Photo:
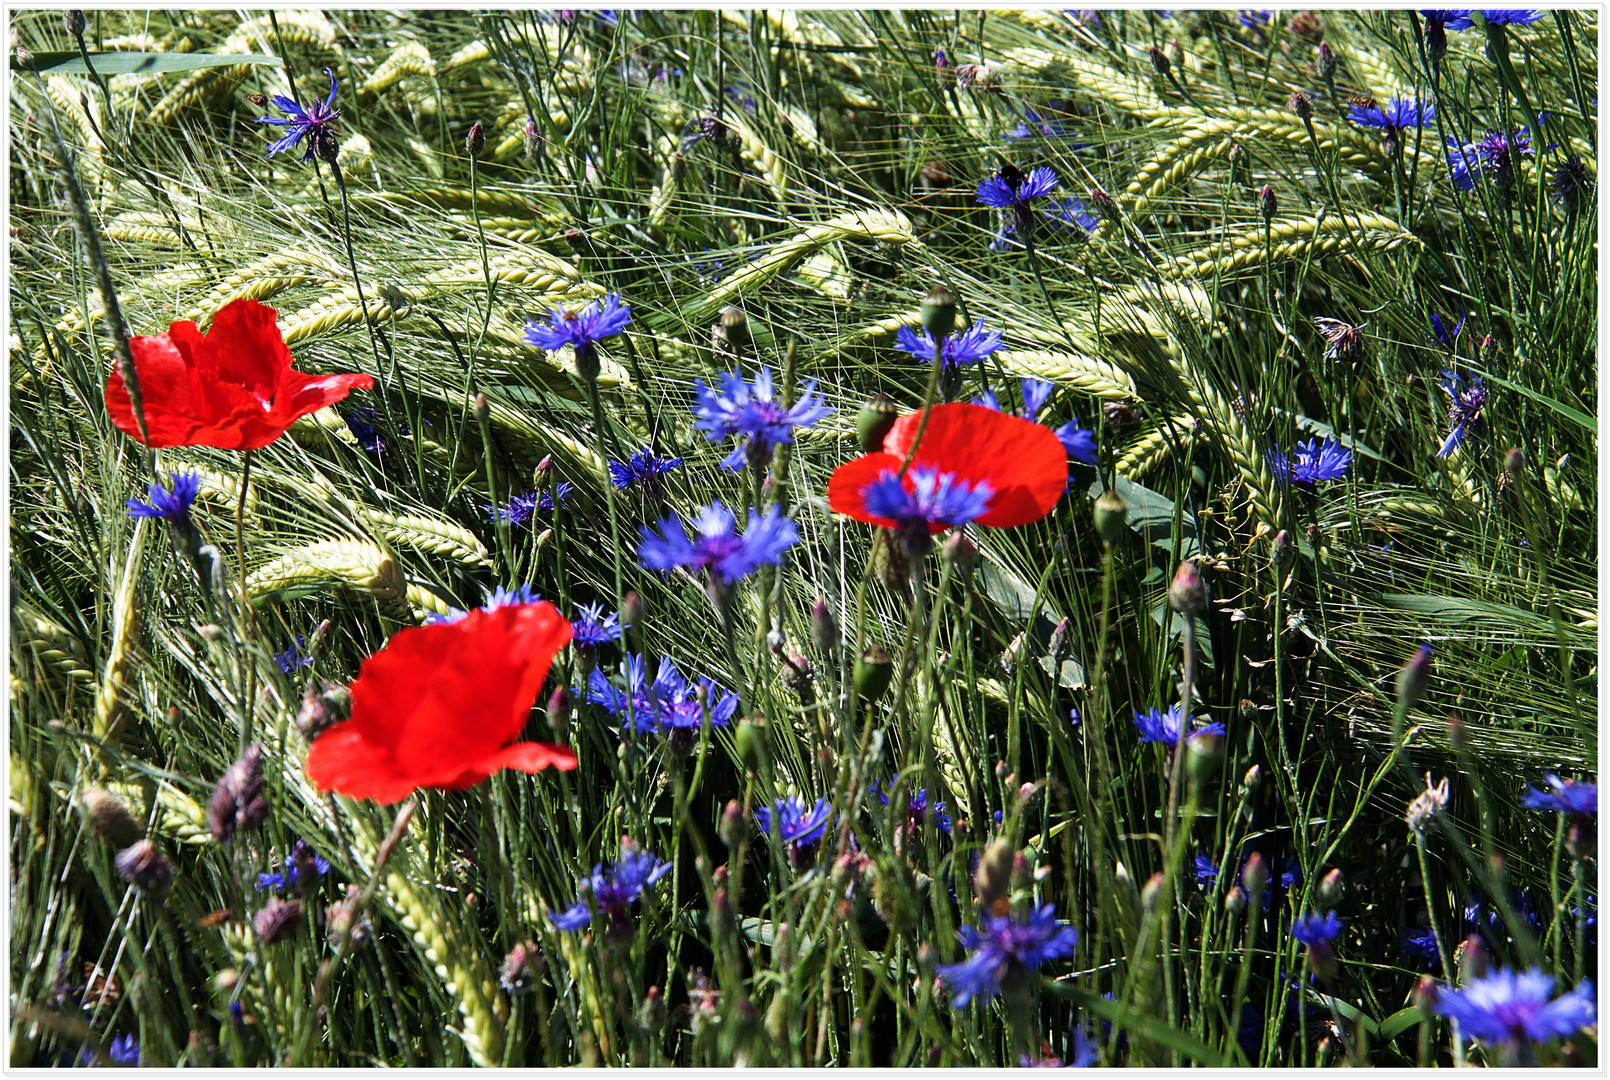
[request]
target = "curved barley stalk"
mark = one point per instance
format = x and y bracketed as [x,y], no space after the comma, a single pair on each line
[1095,377]
[1128,93]
[196,89]
[1146,453]
[409,58]
[1219,417]
[1293,239]
[434,536]
[350,564]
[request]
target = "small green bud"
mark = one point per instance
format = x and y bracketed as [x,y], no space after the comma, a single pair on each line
[1112,516]
[874,420]
[751,739]
[939,312]
[873,672]
[735,326]
[1187,594]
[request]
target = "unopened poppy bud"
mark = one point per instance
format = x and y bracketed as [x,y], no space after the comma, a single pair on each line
[1204,752]
[1514,462]
[1300,105]
[874,420]
[1235,901]
[143,866]
[1325,61]
[1268,205]
[939,312]
[824,628]
[734,827]
[278,920]
[960,551]
[1187,595]
[1151,892]
[73,20]
[475,142]
[1331,888]
[750,739]
[1255,874]
[559,711]
[734,325]
[238,803]
[1112,516]
[108,817]
[993,881]
[1414,676]
[482,409]
[873,671]
[1160,62]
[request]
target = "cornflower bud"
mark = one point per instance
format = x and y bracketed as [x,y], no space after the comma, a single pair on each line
[1104,204]
[1514,462]
[1187,595]
[1331,888]
[1325,61]
[73,20]
[475,142]
[482,409]
[1413,677]
[939,312]
[824,628]
[1160,62]
[518,972]
[560,708]
[1282,550]
[143,866]
[735,327]
[1303,107]
[1255,875]
[1268,205]
[734,827]
[278,920]
[961,552]
[750,739]
[1235,901]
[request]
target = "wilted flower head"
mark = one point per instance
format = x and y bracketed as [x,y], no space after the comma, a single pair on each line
[278,920]
[1005,951]
[1427,806]
[1343,341]
[754,412]
[238,803]
[1511,1007]
[1465,405]
[316,123]
[143,866]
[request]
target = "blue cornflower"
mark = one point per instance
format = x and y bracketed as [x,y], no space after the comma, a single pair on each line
[303,852]
[716,545]
[1067,214]
[517,511]
[612,891]
[292,658]
[555,495]
[1465,405]
[1254,20]
[1420,941]
[1511,16]
[1315,462]
[1394,116]
[1508,1007]
[668,704]
[970,346]
[592,628]
[754,412]
[644,468]
[121,1050]
[170,504]
[918,809]
[582,330]
[1006,950]
[1164,727]
[797,826]
[1449,19]
[1013,191]
[1036,392]
[934,498]
[1317,931]
[1578,798]
[1439,329]
[1080,443]
[315,123]
[1491,154]
[501,597]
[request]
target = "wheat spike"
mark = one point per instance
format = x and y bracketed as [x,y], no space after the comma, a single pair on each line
[1092,376]
[125,619]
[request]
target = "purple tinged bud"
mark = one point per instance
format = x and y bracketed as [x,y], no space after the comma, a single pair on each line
[1282,550]
[734,827]
[1235,901]
[1303,107]
[1187,595]
[1151,892]
[1255,874]
[108,817]
[824,628]
[278,920]
[1160,62]
[1104,204]
[144,867]
[1426,993]
[1331,889]
[238,803]
[475,142]
[559,711]
[1268,205]
[518,972]
[1325,62]
[1472,959]
[73,20]
[482,409]
[961,552]
[1413,677]
[1514,462]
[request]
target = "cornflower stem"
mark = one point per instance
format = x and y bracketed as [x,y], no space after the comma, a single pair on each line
[248,622]
[1579,886]
[505,544]
[352,259]
[1045,294]
[1431,909]
[614,523]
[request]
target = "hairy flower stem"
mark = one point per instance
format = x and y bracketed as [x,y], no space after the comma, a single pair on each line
[1431,908]
[248,617]
[500,523]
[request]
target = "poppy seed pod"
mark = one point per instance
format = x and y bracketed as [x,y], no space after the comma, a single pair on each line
[735,328]
[143,866]
[874,420]
[939,312]
[108,817]
[873,672]
[1111,513]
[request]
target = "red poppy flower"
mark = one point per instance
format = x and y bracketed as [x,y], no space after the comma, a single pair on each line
[231,387]
[1023,462]
[437,706]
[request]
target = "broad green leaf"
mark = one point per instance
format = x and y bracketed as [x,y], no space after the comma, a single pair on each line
[1399,1022]
[138,63]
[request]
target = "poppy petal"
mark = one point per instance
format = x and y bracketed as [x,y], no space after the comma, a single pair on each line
[345,761]
[170,388]
[531,757]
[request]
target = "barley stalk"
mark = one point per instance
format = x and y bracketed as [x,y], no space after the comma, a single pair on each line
[433,535]
[409,58]
[1220,418]
[1149,451]
[125,619]
[195,89]
[1292,239]
[1095,377]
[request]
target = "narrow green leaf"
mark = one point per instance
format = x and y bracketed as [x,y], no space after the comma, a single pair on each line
[1400,1021]
[138,63]
[1151,1027]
